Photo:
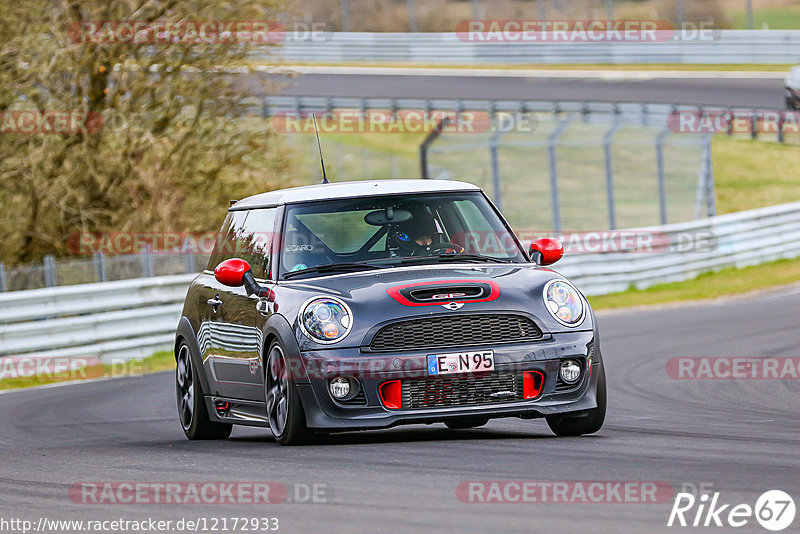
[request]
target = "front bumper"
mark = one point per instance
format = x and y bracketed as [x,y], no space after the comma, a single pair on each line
[371,370]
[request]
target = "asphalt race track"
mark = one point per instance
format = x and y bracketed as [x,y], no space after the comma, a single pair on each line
[747,92]
[742,436]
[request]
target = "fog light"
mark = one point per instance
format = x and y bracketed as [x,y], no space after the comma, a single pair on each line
[570,371]
[340,387]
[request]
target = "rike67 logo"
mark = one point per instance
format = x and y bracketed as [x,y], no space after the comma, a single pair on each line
[774,510]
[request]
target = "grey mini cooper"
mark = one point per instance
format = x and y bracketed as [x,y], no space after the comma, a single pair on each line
[366,305]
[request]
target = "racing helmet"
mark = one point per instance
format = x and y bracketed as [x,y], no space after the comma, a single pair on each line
[414,236]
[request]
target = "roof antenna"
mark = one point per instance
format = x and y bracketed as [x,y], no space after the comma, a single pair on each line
[322,161]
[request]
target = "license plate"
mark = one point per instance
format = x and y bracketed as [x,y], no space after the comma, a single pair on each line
[461,362]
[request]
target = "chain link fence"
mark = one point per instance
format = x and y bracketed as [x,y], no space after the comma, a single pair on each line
[582,171]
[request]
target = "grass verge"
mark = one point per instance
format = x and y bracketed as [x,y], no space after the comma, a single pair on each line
[774,18]
[754,174]
[723,283]
[160,361]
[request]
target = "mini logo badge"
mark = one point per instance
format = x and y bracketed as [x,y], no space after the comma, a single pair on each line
[502,394]
[452,305]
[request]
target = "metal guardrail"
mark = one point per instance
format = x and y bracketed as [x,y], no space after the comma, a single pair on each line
[126,319]
[718,47]
[732,240]
[134,318]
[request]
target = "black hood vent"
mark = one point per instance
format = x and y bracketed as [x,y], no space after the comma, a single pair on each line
[446,293]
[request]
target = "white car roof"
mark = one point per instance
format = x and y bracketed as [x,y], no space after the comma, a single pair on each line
[340,190]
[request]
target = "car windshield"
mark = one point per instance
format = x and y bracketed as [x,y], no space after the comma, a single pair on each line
[385,231]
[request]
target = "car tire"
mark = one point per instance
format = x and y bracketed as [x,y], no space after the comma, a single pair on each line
[192,412]
[471,422]
[287,420]
[588,424]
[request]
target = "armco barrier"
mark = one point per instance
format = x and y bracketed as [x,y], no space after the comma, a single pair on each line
[126,319]
[134,318]
[731,240]
[716,47]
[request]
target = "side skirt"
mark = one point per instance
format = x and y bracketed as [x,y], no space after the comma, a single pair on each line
[237,411]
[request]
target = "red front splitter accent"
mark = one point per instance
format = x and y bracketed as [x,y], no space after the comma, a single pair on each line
[532,384]
[391,394]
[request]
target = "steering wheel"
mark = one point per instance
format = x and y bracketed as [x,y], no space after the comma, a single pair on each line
[440,247]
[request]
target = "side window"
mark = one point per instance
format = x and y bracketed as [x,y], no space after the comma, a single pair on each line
[225,246]
[478,236]
[473,216]
[255,240]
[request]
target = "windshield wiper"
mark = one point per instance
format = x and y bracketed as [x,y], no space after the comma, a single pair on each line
[331,268]
[446,257]
[470,257]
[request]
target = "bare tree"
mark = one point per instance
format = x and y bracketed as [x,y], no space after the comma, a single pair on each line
[174,143]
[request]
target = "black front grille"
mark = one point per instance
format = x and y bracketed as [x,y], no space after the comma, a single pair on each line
[441,392]
[456,330]
[360,399]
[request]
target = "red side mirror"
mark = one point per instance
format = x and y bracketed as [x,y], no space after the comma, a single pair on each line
[231,272]
[546,251]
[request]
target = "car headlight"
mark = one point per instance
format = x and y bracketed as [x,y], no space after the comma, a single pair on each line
[563,302]
[325,319]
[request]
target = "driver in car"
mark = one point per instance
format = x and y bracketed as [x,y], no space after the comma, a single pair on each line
[416,236]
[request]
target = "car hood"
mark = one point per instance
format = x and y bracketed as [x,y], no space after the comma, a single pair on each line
[377,297]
